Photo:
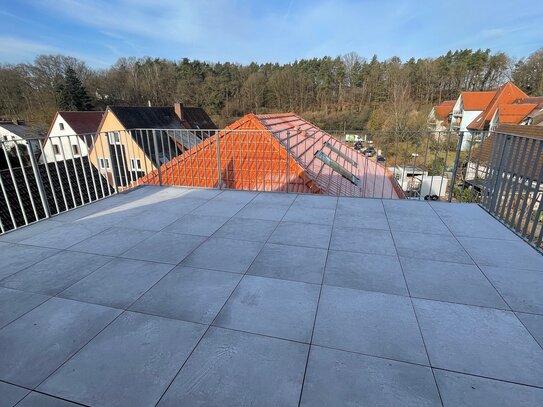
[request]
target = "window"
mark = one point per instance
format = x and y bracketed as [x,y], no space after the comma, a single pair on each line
[56,149]
[337,168]
[61,125]
[103,163]
[135,164]
[114,137]
[75,149]
[342,155]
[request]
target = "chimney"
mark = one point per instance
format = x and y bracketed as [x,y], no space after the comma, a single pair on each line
[178,107]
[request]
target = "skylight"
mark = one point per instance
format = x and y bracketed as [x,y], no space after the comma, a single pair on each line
[337,168]
[342,155]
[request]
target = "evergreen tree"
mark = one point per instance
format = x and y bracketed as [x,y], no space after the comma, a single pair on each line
[71,94]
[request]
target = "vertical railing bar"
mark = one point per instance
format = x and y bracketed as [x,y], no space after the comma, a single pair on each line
[517,185]
[505,177]
[131,142]
[8,203]
[498,172]
[46,165]
[68,177]
[489,171]
[447,146]
[82,168]
[85,145]
[536,192]
[527,184]
[218,150]
[146,152]
[416,154]
[456,162]
[23,211]
[58,174]
[157,160]
[23,170]
[513,176]
[93,144]
[425,165]
[39,180]
[76,174]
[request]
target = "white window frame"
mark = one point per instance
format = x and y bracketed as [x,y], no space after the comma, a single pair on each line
[75,149]
[56,149]
[103,163]
[61,126]
[134,167]
[114,137]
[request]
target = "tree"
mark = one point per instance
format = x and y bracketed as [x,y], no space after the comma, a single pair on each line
[71,94]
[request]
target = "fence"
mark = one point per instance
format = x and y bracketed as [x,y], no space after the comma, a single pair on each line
[43,178]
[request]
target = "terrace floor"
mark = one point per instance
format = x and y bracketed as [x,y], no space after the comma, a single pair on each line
[187,297]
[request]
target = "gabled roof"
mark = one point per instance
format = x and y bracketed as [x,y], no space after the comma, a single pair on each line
[20,130]
[197,118]
[476,100]
[443,110]
[253,155]
[145,117]
[514,113]
[82,122]
[506,94]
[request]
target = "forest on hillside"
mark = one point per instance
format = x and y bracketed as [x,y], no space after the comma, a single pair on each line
[347,91]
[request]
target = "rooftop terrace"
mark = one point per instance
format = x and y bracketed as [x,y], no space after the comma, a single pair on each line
[178,296]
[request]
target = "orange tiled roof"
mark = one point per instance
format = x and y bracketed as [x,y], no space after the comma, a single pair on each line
[443,110]
[506,94]
[253,156]
[477,100]
[514,113]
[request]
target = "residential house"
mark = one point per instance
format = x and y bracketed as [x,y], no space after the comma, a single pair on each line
[535,117]
[467,107]
[278,152]
[70,135]
[16,131]
[133,141]
[440,116]
[506,94]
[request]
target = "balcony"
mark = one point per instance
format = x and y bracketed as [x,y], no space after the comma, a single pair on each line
[185,296]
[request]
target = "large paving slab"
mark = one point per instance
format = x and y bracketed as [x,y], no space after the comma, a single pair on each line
[230,368]
[14,303]
[131,362]
[36,344]
[338,378]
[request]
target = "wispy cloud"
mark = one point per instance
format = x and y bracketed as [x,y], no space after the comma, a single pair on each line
[16,49]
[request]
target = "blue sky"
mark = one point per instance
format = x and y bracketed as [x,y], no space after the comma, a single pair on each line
[101,31]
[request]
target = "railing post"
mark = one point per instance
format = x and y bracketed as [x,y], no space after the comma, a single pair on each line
[218,150]
[39,181]
[497,184]
[456,160]
[157,160]
[288,161]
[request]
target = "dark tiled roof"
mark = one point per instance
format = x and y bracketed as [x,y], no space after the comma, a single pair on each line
[20,130]
[147,117]
[58,181]
[197,118]
[82,122]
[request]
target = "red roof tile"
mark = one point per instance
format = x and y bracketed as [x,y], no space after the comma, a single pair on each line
[514,113]
[253,156]
[506,94]
[477,100]
[443,110]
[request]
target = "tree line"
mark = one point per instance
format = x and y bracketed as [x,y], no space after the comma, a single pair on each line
[347,91]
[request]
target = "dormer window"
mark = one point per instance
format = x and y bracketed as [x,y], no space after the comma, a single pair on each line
[61,126]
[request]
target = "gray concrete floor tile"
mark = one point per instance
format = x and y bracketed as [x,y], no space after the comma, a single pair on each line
[370,241]
[201,225]
[235,196]
[280,308]
[417,223]
[430,247]
[299,213]
[23,233]
[451,282]
[480,341]
[14,303]
[407,208]
[230,368]
[263,210]
[522,289]
[534,324]
[175,207]
[14,257]
[338,378]
[64,235]
[56,273]
[302,234]
[275,198]
[224,254]
[165,247]
[36,344]
[189,294]
[316,201]
[459,390]
[219,208]
[257,230]
[369,322]
[502,253]
[200,193]
[130,363]
[10,394]
[361,219]
[365,272]
[42,400]
[118,284]
[113,241]
[357,205]
[305,264]
[152,219]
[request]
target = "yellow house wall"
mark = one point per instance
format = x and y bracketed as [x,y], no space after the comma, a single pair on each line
[131,148]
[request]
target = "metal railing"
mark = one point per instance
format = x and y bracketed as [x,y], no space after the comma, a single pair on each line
[42,178]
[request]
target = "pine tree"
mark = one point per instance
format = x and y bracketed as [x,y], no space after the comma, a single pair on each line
[71,94]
